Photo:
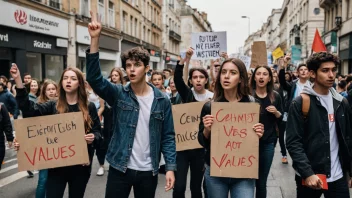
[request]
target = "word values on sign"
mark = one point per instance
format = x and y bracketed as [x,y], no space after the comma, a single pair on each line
[48,154]
[234,144]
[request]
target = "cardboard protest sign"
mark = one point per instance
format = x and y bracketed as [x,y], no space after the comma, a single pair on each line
[51,141]
[277,53]
[186,123]
[259,54]
[234,144]
[208,45]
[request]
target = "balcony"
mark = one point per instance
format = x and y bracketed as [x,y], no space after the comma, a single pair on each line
[174,36]
[327,3]
[156,3]
[131,38]
[150,46]
[54,4]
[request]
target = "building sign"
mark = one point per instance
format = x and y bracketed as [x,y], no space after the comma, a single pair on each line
[154,59]
[105,42]
[103,54]
[20,17]
[344,43]
[13,38]
[43,44]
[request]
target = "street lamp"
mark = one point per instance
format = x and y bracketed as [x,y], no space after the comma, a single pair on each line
[249,23]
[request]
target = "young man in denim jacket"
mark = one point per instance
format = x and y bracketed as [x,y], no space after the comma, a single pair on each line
[143,123]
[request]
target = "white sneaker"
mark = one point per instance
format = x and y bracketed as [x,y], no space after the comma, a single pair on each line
[100,171]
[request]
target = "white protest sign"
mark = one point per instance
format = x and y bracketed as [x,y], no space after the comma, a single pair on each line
[208,45]
[246,60]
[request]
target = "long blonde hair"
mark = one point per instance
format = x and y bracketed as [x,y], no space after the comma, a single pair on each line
[62,105]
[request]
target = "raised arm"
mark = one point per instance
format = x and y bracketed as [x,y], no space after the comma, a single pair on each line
[180,84]
[101,86]
[29,108]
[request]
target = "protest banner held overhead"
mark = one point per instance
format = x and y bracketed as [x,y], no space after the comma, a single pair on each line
[234,144]
[51,141]
[186,123]
[208,45]
[259,54]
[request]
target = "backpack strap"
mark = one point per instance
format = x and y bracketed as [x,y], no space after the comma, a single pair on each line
[305,104]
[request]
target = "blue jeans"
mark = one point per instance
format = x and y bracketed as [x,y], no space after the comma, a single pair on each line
[266,156]
[219,187]
[41,187]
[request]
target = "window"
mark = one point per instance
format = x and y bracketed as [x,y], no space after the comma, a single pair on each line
[85,8]
[54,4]
[124,22]
[151,13]
[34,65]
[148,39]
[131,26]
[143,35]
[154,16]
[111,14]
[54,67]
[135,28]
[101,10]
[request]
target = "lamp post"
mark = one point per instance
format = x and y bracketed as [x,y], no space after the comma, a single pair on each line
[249,24]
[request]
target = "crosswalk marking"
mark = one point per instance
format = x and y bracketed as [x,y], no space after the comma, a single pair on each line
[12,178]
[8,168]
[11,160]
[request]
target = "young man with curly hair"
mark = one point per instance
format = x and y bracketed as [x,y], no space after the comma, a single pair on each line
[319,133]
[143,124]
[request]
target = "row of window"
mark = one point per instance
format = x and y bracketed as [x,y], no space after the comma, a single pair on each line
[133,27]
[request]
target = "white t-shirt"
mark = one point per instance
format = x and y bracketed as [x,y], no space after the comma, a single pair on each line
[299,87]
[336,170]
[140,159]
[203,97]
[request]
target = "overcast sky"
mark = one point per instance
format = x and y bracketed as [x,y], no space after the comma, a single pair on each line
[225,15]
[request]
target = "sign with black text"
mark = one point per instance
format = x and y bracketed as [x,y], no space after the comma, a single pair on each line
[208,45]
[186,123]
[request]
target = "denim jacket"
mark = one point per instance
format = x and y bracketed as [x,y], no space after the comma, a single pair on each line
[125,109]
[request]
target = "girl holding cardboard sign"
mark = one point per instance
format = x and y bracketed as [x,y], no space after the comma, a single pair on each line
[72,98]
[231,86]
[193,159]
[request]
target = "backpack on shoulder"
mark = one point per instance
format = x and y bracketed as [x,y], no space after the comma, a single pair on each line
[305,105]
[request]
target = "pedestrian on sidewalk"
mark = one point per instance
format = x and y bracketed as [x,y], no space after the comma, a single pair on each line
[72,98]
[5,128]
[193,160]
[318,133]
[262,85]
[143,123]
[231,86]
[47,93]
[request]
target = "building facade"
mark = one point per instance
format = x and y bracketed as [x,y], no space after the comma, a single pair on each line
[172,32]
[338,31]
[304,17]
[283,25]
[141,25]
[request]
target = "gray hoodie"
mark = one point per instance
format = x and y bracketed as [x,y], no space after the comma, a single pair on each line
[310,91]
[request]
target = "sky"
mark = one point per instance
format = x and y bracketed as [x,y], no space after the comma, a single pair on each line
[225,15]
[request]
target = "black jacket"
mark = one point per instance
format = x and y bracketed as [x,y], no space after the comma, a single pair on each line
[31,109]
[5,125]
[308,140]
[289,87]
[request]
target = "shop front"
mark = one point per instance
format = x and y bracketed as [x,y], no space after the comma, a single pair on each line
[171,61]
[345,53]
[108,53]
[35,41]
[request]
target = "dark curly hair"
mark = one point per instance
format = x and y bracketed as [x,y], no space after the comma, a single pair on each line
[136,54]
[315,60]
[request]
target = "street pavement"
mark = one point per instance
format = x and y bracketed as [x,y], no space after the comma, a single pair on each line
[14,184]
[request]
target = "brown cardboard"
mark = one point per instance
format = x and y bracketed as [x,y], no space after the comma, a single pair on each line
[234,144]
[259,54]
[51,141]
[186,122]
